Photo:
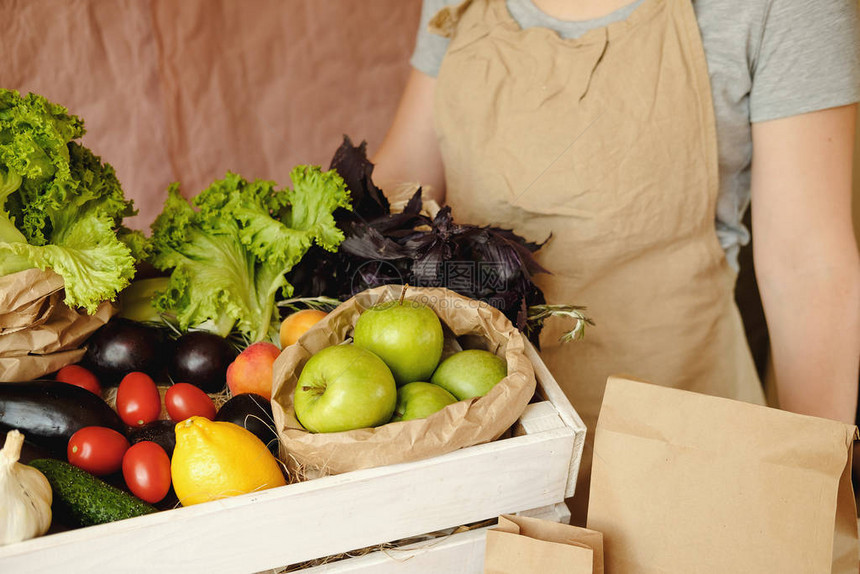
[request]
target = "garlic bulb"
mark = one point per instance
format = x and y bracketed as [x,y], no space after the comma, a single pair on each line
[25,495]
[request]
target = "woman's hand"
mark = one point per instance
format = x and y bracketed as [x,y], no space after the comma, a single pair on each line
[410,151]
[806,258]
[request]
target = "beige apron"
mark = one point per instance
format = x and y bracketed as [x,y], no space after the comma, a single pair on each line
[607,142]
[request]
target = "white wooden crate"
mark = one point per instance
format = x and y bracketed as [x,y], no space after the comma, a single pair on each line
[533,469]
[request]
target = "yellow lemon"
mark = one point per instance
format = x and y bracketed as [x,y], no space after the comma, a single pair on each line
[297,324]
[214,460]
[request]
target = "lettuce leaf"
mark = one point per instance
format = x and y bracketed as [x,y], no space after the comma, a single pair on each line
[34,134]
[229,256]
[9,234]
[60,206]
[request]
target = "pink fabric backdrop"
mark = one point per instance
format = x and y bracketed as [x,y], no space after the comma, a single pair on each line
[184,90]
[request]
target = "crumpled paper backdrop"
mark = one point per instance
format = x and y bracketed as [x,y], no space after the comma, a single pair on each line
[186,90]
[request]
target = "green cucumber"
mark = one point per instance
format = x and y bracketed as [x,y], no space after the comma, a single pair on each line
[81,499]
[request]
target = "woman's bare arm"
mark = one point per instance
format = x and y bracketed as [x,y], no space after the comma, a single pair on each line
[806,258]
[410,150]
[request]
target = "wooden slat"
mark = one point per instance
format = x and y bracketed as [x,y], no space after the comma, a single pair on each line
[462,553]
[558,512]
[538,417]
[553,393]
[316,518]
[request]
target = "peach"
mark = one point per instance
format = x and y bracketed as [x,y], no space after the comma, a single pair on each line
[297,324]
[251,371]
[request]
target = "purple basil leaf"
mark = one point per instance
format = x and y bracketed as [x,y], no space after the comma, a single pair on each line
[351,163]
[365,242]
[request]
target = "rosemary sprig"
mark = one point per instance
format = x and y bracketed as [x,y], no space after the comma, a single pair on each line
[539,313]
[299,303]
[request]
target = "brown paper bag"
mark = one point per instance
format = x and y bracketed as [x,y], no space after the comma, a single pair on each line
[459,425]
[520,544]
[684,482]
[39,334]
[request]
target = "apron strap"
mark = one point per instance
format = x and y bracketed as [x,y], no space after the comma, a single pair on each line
[444,23]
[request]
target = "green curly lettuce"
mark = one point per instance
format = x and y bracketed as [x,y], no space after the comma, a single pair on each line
[60,206]
[228,257]
[34,137]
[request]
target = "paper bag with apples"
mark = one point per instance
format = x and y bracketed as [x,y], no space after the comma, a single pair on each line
[465,323]
[684,482]
[39,333]
[522,544]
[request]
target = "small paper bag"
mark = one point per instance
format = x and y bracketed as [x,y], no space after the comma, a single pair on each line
[39,334]
[520,544]
[459,425]
[684,482]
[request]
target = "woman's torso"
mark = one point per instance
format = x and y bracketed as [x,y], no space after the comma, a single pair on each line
[766,59]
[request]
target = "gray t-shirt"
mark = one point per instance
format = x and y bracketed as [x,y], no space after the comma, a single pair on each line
[767,59]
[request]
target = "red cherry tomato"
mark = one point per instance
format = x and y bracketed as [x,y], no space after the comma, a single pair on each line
[97,450]
[137,400]
[80,377]
[146,469]
[184,401]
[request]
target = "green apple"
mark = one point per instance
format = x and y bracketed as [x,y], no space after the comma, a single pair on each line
[342,388]
[405,334]
[470,373]
[419,400]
